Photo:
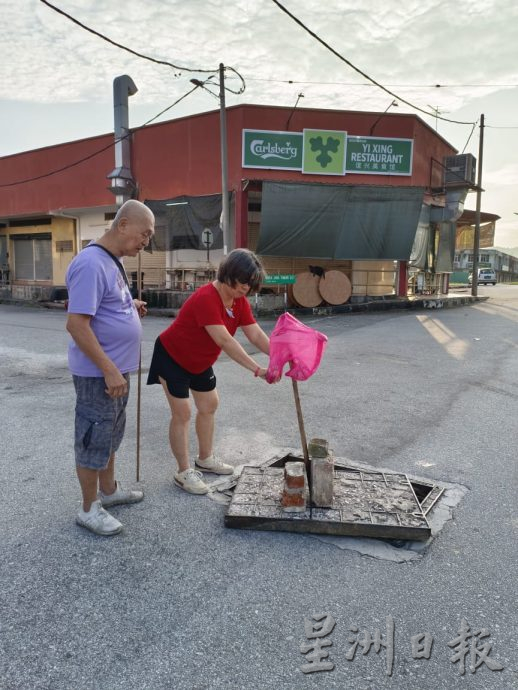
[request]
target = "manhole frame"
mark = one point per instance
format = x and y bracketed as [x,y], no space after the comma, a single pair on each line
[315,520]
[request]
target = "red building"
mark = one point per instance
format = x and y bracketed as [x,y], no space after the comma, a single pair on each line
[54,199]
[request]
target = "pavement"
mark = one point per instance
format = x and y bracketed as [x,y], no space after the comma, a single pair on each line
[178,601]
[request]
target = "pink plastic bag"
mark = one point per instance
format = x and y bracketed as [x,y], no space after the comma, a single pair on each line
[292,341]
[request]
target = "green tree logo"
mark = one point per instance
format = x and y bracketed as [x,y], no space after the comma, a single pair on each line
[331,144]
[324,152]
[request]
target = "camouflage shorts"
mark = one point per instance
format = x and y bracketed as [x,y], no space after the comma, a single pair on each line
[99,422]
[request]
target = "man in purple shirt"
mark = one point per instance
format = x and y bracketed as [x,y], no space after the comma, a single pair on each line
[104,322]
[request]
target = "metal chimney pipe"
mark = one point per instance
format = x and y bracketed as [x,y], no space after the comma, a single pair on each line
[122,182]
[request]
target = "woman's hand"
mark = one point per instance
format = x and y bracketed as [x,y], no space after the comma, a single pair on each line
[261,373]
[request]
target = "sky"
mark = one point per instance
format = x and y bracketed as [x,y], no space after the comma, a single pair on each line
[56,78]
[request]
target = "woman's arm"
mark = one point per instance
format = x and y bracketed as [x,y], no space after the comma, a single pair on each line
[233,349]
[257,337]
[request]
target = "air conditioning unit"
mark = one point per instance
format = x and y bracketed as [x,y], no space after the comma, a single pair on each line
[460,170]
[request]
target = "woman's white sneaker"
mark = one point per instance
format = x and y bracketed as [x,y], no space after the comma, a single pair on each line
[98,520]
[190,480]
[212,464]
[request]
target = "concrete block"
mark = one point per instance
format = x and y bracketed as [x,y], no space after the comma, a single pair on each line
[322,478]
[318,448]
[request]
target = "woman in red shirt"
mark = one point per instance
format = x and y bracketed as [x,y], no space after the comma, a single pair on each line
[185,352]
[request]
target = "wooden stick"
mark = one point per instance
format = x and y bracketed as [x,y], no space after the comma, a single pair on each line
[301,428]
[139,373]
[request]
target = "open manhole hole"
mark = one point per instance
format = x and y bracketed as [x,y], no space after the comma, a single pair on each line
[368,502]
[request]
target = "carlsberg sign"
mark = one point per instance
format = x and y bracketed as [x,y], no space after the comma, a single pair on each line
[272,149]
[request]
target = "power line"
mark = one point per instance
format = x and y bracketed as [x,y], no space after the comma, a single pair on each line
[119,45]
[96,153]
[227,88]
[347,62]
[243,85]
[141,55]
[470,135]
[399,86]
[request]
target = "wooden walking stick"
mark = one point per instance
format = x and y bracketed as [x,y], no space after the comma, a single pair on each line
[139,373]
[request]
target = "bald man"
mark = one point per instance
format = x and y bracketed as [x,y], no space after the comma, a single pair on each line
[104,322]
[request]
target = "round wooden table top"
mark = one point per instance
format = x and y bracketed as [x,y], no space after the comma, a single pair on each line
[305,290]
[291,300]
[335,287]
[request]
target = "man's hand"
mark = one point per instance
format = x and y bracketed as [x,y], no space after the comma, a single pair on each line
[141,307]
[116,385]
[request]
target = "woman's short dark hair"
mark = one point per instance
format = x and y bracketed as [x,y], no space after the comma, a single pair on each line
[241,266]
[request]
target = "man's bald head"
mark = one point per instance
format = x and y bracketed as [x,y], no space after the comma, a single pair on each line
[133,210]
[131,229]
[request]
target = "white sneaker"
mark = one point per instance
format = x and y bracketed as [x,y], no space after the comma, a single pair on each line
[212,464]
[98,520]
[190,480]
[120,496]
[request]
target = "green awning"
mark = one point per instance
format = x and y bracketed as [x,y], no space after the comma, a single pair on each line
[338,221]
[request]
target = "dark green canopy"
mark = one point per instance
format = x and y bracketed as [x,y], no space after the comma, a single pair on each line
[180,222]
[338,221]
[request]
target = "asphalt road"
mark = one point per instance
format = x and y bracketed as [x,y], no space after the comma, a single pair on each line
[178,601]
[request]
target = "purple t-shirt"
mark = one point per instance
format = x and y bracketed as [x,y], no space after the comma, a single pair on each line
[97,288]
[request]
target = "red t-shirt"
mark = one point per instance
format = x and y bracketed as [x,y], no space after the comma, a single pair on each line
[186,339]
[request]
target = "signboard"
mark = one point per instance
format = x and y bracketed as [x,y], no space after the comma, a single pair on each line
[465,236]
[273,150]
[379,156]
[279,279]
[324,152]
[207,237]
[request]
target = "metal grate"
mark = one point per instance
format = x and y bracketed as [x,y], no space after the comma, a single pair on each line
[64,246]
[372,504]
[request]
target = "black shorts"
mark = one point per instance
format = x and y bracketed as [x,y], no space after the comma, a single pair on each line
[178,379]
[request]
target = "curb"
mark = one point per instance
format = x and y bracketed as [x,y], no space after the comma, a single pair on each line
[381,304]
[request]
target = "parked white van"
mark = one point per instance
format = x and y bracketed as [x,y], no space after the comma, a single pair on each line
[486,276]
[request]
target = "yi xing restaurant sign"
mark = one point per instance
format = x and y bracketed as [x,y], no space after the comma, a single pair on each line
[324,152]
[379,156]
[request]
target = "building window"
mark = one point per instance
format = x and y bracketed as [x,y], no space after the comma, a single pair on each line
[484,258]
[32,258]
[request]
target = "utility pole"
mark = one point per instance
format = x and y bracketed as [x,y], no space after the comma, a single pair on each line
[476,238]
[224,161]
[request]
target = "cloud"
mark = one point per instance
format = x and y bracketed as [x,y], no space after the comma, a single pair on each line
[415,43]
[53,68]
[506,176]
